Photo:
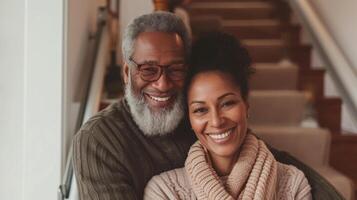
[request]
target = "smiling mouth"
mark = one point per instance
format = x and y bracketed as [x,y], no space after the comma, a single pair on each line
[159,99]
[221,136]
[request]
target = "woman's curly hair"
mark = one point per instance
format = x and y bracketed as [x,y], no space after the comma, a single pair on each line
[219,51]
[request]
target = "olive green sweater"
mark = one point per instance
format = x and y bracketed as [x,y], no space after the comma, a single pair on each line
[113,159]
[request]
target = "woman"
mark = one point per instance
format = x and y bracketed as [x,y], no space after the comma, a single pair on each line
[227,161]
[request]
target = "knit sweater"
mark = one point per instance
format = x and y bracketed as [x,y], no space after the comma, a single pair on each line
[246,180]
[114,160]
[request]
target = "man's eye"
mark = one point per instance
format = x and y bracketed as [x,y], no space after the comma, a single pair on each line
[177,72]
[176,69]
[149,69]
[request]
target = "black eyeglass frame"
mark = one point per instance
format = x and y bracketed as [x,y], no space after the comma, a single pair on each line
[161,68]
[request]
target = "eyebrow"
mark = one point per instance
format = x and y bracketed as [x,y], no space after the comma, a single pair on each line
[219,98]
[176,61]
[224,95]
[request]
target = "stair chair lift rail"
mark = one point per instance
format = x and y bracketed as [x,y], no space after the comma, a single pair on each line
[65,188]
[340,68]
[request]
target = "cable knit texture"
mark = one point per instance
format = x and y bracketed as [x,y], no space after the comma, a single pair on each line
[256,175]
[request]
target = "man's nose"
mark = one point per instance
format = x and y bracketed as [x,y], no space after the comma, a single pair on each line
[164,83]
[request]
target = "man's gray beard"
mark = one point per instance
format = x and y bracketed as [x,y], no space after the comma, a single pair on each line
[154,123]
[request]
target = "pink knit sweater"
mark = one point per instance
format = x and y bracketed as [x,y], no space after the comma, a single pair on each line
[249,178]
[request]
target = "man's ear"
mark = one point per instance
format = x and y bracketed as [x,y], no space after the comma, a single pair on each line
[126,73]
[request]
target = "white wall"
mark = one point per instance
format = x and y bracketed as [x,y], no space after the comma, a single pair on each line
[11,98]
[31,73]
[130,10]
[338,17]
[336,22]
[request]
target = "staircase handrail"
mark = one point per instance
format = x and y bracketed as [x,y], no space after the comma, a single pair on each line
[339,67]
[90,101]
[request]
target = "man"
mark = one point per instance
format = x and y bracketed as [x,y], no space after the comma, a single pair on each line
[117,151]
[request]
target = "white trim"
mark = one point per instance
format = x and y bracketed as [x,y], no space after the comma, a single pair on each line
[65,86]
[338,65]
[94,98]
[97,82]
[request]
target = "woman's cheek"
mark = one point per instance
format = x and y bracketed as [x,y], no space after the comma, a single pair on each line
[198,124]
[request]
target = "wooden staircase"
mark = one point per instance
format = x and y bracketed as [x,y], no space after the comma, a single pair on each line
[264,28]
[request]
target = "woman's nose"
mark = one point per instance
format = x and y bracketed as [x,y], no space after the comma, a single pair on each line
[216,119]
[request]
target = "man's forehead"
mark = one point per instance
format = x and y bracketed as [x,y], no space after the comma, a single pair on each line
[158,44]
[159,40]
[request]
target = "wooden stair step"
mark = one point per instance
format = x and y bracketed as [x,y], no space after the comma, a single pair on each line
[343,154]
[301,55]
[344,144]
[315,152]
[265,50]
[276,107]
[205,23]
[229,0]
[234,10]
[253,29]
[274,76]
[312,81]
[329,113]
[274,50]
[261,29]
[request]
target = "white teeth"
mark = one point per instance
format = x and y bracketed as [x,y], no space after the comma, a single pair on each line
[220,136]
[159,98]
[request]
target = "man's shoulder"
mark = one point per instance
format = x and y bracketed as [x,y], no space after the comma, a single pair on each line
[110,120]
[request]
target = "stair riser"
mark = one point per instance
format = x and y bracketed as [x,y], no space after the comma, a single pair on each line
[313,82]
[274,79]
[214,0]
[235,13]
[255,32]
[276,108]
[329,113]
[264,53]
[346,145]
[265,32]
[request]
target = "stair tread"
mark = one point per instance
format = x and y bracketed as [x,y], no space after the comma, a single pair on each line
[263,42]
[274,65]
[250,22]
[231,5]
[272,93]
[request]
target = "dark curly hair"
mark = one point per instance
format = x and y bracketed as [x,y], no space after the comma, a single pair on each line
[219,51]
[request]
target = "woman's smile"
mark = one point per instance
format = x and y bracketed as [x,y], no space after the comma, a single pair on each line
[222,136]
[218,113]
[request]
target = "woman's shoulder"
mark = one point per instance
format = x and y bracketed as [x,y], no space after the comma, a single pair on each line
[173,184]
[289,171]
[172,177]
[292,181]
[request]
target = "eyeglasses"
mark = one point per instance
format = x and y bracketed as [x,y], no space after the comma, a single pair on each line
[151,71]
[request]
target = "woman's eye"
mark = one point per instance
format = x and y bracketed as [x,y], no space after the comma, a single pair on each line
[199,110]
[228,103]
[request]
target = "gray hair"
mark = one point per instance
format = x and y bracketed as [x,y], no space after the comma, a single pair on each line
[157,21]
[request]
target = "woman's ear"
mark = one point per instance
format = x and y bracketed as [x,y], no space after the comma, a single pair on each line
[126,73]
